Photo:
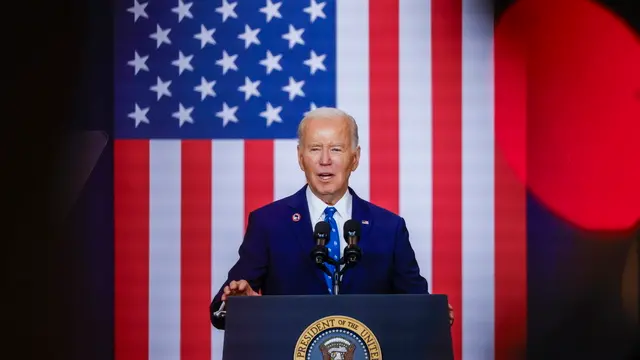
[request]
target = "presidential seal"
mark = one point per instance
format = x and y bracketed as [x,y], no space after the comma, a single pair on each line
[337,337]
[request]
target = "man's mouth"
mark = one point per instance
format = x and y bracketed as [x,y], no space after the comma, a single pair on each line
[325,176]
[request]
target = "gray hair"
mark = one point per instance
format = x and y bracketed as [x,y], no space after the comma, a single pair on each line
[327,113]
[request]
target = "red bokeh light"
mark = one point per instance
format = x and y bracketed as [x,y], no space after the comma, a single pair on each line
[568,109]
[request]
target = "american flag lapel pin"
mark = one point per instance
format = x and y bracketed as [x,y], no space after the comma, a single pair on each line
[365,222]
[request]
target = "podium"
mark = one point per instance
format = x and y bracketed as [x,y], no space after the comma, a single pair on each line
[354,327]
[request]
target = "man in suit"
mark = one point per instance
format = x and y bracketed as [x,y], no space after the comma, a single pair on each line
[275,253]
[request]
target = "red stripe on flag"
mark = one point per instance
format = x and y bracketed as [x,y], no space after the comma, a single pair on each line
[384,103]
[195,260]
[258,175]
[446,33]
[510,263]
[510,200]
[131,205]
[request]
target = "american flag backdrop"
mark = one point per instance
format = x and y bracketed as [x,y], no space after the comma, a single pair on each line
[208,96]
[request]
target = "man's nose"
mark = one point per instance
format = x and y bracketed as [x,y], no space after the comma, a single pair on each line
[325,157]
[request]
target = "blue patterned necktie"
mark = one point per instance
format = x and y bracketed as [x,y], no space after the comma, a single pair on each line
[333,245]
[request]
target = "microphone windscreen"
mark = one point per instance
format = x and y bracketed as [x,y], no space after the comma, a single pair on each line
[351,229]
[322,227]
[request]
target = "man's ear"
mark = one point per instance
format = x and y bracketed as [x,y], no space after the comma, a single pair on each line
[356,159]
[300,162]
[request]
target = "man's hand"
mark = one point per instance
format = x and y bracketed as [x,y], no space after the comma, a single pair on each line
[238,288]
[451,317]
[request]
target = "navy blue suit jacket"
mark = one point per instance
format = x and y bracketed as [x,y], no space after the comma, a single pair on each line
[275,253]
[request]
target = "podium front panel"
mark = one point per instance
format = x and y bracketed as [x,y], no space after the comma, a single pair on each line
[356,327]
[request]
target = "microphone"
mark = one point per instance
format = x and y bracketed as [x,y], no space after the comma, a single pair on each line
[352,253]
[320,253]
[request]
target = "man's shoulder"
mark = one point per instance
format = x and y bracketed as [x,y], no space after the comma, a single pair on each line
[383,214]
[274,207]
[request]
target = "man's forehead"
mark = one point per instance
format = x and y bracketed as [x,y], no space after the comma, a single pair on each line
[327,136]
[334,130]
[326,125]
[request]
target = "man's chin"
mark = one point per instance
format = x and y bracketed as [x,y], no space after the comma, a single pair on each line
[324,188]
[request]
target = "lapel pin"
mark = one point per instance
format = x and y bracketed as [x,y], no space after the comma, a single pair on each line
[366,222]
[296,217]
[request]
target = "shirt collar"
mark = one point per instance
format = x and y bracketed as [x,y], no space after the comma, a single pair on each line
[317,206]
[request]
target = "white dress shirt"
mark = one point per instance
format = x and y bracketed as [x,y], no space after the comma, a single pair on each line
[342,214]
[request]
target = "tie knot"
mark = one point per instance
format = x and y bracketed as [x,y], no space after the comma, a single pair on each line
[329,211]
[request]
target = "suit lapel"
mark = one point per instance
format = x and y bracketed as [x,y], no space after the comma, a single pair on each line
[361,213]
[302,228]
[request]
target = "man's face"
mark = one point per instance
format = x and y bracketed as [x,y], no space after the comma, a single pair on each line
[327,157]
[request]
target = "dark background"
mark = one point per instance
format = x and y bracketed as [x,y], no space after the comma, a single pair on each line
[58,302]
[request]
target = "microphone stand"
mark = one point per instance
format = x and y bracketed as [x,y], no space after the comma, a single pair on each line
[221,313]
[352,255]
[335,277]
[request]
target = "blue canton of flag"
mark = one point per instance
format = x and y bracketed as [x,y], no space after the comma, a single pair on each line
[221,69]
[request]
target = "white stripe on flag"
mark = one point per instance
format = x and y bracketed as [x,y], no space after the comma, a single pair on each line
[352,86]
[415,103]
[478,285]
[288,177]
[227,218]
[164,249]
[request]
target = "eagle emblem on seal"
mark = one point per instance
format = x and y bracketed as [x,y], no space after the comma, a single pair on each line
[337,348]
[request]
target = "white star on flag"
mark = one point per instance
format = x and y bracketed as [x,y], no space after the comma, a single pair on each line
[294,88]
[161,88]
[161,36]
[272,114]
[138,10]
[183,10]
[271,62]
[205,88]
[139,62]
[315,62]
[249,36]
[250,88]
[227,114]
[227,10]
[227,62]
[312,107]
[183,115]
[294,36]
[205,36]
[183,62]
[315,10]
[139,115]
[271,10]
